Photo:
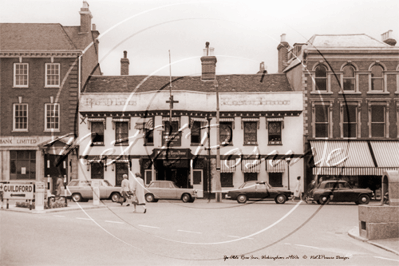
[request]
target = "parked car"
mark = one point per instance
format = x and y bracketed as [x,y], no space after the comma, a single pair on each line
[165,189]
[259,190]
[339,191]
[81,190]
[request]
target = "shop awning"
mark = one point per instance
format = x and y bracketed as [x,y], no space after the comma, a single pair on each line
[227,166]
[250,166]
[273,166]
[351,170]
[386,153]
[342,154]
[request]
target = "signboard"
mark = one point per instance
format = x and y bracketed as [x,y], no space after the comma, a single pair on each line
[17,191]
[171,154]
[28,141]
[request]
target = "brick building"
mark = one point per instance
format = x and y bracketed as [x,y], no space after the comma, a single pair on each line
[42,69]
[351,85]
[127,126]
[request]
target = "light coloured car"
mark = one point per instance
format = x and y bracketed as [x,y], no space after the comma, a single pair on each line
[82,190]
[165,189]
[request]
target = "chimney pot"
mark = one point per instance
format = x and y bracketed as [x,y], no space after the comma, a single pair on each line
[282,37]
[208,62]
[85,18]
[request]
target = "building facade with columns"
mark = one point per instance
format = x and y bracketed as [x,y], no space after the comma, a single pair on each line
[129,125]
[351,85]
[42,72]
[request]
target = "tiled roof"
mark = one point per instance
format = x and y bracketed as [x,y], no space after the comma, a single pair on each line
[81,41]
[227,83]
[345,40]
[34,37]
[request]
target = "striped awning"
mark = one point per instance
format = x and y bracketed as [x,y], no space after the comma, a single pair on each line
[174,118]
[254,119]
[199,119]
[337,171]
[226,119]
[342,154]
[120,119]
[227,166]
[146,123]
[386,153]
[250,166]
[275,166]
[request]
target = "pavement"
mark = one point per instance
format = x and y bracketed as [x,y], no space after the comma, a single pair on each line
[390,244]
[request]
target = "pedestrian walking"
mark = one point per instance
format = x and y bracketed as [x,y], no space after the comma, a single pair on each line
[126,188]
[139,191]
[297,192]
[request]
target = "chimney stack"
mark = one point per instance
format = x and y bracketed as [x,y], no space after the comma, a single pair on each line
[282,53]
[85,18]
[124,64]
[208,62]
[388,38]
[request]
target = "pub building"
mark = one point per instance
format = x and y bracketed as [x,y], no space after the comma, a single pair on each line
[42,68]
[160,126]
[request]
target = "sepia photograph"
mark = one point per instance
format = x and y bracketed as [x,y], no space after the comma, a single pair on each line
[199,132]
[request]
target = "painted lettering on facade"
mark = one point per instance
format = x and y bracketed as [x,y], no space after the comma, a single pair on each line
[20,140]
[107,102]
[256,101]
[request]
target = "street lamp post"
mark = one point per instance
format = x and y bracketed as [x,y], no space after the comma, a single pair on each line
[288,160]
[218,184]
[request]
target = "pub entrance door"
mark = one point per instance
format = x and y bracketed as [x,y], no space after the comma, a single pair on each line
[121,168]
[56,165]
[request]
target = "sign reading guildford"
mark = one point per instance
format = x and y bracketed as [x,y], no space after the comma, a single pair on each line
[17,191]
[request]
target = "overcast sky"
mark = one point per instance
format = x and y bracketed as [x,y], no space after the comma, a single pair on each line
[243,33]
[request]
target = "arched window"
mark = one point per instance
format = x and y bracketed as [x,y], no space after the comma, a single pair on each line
[377,78]
[321,78]
[349,78]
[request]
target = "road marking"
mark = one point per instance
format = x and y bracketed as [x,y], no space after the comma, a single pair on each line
[385,258]
[84,219]
[148,226]
[240,237]
[189,232]
[58,216]
[115,222]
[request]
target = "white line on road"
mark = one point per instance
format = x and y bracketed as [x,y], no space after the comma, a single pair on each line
[148,226]
[189,232]
[87,219]
[58,216]
[239,237]
[385,258]
[115,222]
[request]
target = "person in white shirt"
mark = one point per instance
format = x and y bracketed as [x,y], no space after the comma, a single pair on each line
[125,189]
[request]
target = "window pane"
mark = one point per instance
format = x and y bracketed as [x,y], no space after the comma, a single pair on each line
[121,133]
[321,84]
[321,130]
[321,71]
[377,84]
[274,130]
[376,71]
[349,130]
[321,113]
[97,129]
[349,84]
[349,71]
[250,132]
[196,132]
[377,130]
[377,113]
[250,176]
[349,113]
[226,132]
[226,179]
[276,179]
[97,170]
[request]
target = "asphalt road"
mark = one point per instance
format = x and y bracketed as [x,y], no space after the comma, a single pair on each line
[199,233]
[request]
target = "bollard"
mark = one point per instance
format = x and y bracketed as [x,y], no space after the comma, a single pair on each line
[30,205]
[7,204]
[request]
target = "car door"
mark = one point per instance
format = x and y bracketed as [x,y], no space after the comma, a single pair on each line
[346,193]
[261,190]
[104,191]
[174,192]
[250,190]
[86,189]
[153,188]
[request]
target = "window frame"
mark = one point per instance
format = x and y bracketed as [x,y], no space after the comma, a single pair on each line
[231,126]
[125,138]
[227,179]
[357,106]
[29,162]
[92,134]
[328,104]
[177,133]
[14,129]
[46,85]
[193,143]
[246,175]
[15,85]
[91,170]
[280,176]
[383,79]
[385,116]
[46,128]
[314,79]
[280,142]
[354,78]
[249,143]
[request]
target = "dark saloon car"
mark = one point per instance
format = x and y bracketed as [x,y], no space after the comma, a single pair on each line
[259,190]
[165,189]
[339,191]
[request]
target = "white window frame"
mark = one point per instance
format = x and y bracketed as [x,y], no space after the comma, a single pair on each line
[358,117]
[46,128]
[330,120]
[356,78]
[386,127]
[384,79]
[46,75]
[15,76]
[13,118]
[328,79]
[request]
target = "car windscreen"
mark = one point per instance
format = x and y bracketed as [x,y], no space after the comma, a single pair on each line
[106,183]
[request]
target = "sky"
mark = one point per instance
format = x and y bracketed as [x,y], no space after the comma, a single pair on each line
[243,33]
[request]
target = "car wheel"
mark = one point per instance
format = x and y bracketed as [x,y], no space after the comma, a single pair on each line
[323,199]
[76,197]
[280,199]
[241,199]
[115,197]
[363,199]
[149,197]
[186,198]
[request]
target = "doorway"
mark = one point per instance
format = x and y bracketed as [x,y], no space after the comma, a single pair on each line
[120,170]
[56,165]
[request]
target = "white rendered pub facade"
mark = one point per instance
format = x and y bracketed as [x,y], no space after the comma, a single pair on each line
[125,127]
